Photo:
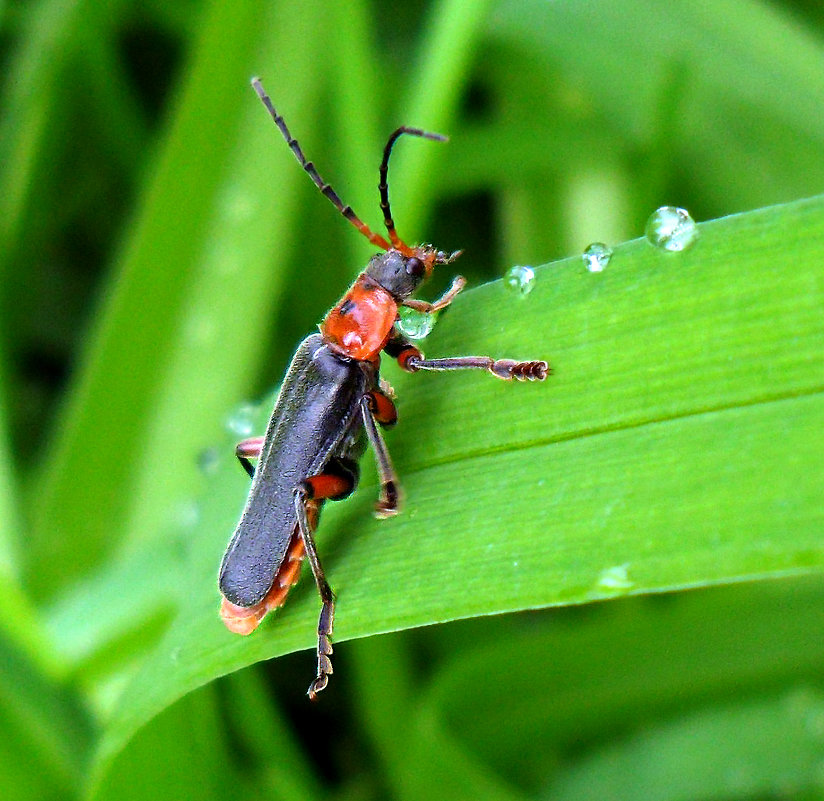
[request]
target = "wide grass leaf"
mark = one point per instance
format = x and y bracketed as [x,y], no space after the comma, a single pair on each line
[675,445]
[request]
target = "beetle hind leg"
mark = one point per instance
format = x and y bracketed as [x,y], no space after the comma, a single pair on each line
[308,495]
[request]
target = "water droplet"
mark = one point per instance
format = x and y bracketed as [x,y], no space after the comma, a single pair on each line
[615,580]
[808,704]
[415,324]
[242,420]
[670,228]
[520,279]
[188,514]
[237,205]
[738,779]
[208,460]
[815,723]
[596,257]
[201,330]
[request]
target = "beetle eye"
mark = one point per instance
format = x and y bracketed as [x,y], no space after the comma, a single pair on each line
[414,266]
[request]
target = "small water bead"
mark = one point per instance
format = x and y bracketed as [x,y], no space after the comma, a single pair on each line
[188,514]
[208,460]
[520,279]
[415,324]
[596,257]
[615,580]
[670,228]
[242,420]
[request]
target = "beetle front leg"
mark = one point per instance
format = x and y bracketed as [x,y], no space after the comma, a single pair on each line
[458,283]
[378,407]
[506,369]
[248,449]
[412,360]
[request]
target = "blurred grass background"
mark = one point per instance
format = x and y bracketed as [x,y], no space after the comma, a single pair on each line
[161,255]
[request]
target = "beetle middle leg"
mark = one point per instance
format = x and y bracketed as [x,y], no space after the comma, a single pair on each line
[376,407]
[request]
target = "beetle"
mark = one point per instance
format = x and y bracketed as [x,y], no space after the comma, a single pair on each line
[330,404]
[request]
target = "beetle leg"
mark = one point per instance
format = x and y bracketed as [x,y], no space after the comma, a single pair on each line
[506,369]
[249,449]
[382,407]
[411,360]
[373,406]
[303,496]
[458,283]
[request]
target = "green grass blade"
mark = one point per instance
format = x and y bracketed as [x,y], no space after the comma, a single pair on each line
[269,741]
[619,691]
[29,88]
[433,94]
[47,733]
[187,754]
[713,84]
[20,621]
[766,747]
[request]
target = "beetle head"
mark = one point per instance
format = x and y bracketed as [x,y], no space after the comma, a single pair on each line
[401,271]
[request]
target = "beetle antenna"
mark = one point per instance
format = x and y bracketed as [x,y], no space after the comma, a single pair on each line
[346,211]
[383,186]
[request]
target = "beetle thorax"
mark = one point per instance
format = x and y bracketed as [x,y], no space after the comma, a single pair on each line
[359,326]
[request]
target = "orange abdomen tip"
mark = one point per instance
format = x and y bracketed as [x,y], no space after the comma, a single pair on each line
[245,619]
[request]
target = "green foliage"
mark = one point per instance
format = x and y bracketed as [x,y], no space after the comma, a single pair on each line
[162,254]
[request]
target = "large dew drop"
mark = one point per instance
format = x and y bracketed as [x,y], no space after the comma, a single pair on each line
[596,257]
[415,324]
[241,421]
[520,280]
[670,228]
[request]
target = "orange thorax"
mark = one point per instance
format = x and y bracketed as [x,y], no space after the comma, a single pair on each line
[360,324]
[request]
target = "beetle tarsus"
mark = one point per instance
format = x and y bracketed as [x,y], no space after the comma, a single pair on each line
[316,686]
[509,369]
[388,504]
[325,626]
